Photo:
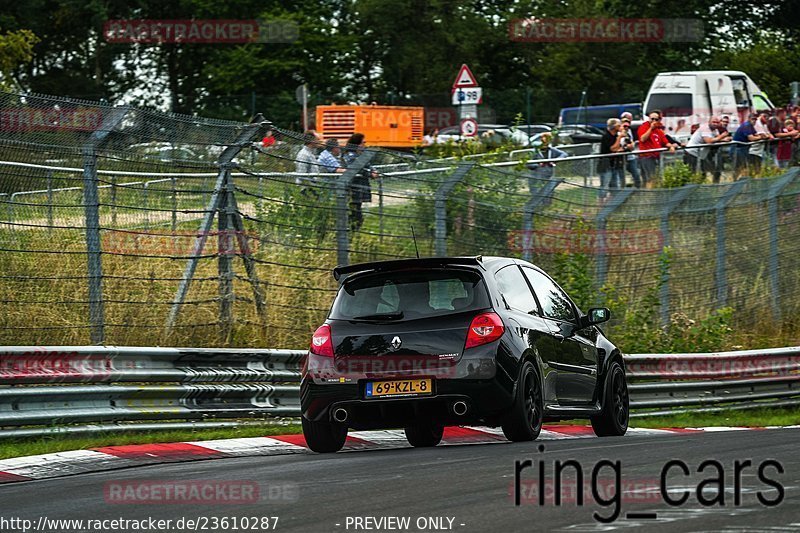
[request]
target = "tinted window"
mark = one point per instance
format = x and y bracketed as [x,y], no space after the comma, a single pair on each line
[555,303]
[416,293]
[512,286]
[671,104]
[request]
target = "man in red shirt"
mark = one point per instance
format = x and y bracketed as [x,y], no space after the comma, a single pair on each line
[652,136]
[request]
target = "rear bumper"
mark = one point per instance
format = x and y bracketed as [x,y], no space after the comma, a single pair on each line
[486,400]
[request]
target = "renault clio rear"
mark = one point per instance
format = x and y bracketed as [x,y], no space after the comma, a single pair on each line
[421,344]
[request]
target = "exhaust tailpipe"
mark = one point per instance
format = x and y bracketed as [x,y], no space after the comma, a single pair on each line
[340,414]
[460,408]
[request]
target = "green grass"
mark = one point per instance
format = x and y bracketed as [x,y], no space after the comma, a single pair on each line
[59,443]
[750,417]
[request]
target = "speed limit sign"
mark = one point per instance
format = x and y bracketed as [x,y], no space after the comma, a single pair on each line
[469,127]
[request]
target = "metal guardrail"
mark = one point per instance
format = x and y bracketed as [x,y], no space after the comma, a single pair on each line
[82,389]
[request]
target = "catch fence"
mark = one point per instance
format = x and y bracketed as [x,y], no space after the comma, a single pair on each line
[132,227]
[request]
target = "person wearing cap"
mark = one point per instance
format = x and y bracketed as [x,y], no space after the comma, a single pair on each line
[745,133]
[629,145]
[328,160]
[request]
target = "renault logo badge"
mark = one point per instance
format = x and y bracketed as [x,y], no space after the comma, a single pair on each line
[396,343]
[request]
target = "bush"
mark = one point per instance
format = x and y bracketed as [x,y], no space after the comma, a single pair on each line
[680,174]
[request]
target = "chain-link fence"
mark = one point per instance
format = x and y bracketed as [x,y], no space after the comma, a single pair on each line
[131,227]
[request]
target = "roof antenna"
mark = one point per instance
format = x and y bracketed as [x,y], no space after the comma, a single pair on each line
[415,241]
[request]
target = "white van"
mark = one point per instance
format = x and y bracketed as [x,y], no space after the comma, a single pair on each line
[688,98]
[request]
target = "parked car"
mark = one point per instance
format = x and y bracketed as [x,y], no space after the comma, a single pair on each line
[596,115]
[578,134]
[421,344]
[490,134]
[533,129]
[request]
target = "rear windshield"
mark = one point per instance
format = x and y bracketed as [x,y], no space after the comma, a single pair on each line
[417,294]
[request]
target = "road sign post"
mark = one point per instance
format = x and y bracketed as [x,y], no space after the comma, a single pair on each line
[466,95]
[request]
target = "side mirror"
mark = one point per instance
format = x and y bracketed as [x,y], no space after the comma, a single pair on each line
[597,315]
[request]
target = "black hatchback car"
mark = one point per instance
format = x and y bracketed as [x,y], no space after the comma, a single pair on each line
[421,344]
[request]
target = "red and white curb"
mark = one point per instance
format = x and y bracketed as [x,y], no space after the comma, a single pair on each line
[114,457]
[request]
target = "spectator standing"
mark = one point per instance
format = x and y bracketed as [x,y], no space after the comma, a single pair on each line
[746,133]
[328,160]
[698,152]
[360,190]
[787,137]
[610,167]
[629,145]
[758,151]
[652,136]
[775,125]
[305,162]
[544,150]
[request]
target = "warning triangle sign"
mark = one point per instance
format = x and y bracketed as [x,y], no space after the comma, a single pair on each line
[465,78]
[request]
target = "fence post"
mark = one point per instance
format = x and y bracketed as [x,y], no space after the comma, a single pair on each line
[342,188]
[529,210]
[675,200]
[91,204]
[380,208]
[722,273]
[774,263]
[616,201]
[146,204]
[50,201]
[440,206]
[174,183]
[225,257]
[244,138]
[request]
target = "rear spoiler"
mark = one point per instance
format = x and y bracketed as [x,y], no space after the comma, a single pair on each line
[400,264]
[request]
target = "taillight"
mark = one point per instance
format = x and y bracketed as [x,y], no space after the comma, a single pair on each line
[321,343]
[485,328]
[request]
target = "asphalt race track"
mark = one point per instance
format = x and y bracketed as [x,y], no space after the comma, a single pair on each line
[463,488]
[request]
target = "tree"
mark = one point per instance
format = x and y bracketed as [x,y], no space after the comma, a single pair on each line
[16,48]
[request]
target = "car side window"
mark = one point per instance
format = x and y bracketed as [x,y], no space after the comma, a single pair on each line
[513,287]
[555,303]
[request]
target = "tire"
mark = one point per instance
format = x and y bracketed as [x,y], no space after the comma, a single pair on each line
[324,437]
[424,435]
[524,422]
[613,420]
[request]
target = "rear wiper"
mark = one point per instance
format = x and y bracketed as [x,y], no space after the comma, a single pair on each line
[397,315]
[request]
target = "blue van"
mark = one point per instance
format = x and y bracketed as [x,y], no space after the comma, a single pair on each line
[597,115]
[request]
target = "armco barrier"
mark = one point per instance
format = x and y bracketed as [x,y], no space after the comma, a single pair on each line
[80,389]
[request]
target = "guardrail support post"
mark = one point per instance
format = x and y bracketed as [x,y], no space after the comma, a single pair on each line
[440,206]
[673,203]
[343,185]
[617,199]
[529,210]
[722,273]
